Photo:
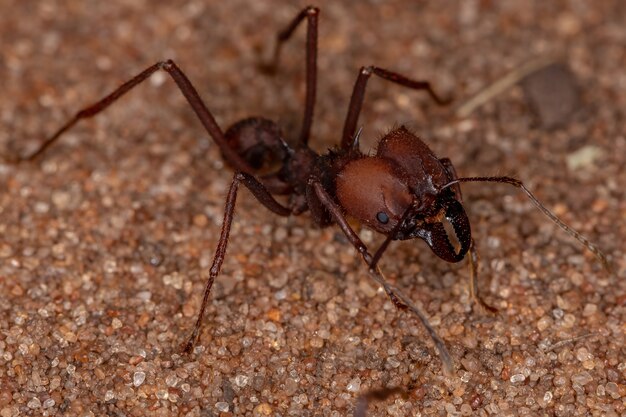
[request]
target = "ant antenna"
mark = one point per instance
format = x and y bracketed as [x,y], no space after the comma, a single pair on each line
[517,183]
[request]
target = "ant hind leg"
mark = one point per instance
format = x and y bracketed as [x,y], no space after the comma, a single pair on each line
[311,14]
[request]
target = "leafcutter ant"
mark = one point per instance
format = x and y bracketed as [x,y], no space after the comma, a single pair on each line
[403,191]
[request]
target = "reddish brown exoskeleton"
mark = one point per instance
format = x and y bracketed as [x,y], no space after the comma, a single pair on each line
[404,191]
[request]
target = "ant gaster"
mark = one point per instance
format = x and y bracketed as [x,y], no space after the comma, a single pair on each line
[404,191]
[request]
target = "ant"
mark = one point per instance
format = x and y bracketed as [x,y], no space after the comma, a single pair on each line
[403,191]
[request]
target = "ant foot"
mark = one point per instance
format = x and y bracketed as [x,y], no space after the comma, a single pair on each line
[484,306]
[187,348]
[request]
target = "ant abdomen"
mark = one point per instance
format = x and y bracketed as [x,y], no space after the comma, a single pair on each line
[259,142]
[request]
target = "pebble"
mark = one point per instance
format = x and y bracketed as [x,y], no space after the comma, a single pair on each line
[317,342]
[553,94]
[583,157]
[582,378]
[9,412]
[109,395]
[354,385]
[517,378]
[547,397]
[612,389]
[139,378]
[34,403]
[222,406]
[263,409]
[241,381]
[582,354]
[544,323]
[589,310]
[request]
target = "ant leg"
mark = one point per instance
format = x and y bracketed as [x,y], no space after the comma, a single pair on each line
[265,198]
[184,85]
[473,257]
[311,13]
[473,281]
[358,94]
[396,296]
[573,233]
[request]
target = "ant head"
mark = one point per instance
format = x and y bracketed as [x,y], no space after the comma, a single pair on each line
[401,192]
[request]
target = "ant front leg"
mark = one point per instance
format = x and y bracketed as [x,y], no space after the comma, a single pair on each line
[265,198]
[184,85]
[358,95]
[473,257]
[311,14]
[396,296]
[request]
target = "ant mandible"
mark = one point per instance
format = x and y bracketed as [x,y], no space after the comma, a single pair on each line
[403,191]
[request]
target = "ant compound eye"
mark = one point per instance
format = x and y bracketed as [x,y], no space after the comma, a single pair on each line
[382,217]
